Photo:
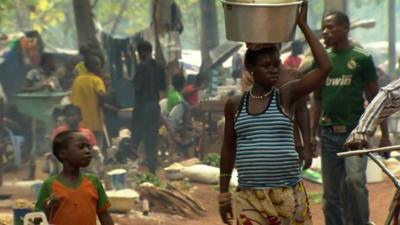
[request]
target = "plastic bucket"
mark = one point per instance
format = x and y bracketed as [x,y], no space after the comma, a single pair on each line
[117,179]
[19,214]
[35,215]
[260,22]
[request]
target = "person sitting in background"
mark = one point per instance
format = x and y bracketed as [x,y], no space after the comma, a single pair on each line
[178,118]
[73,117]
[191,91]
[237,66]
[69,72]
[175,93]
[13,140]
[44,77]
[294,60]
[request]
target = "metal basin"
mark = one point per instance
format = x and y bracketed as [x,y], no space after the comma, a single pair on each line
[260,22]
[40,105]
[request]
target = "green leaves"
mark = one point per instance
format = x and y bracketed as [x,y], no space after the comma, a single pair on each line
[212,159]
[50,17]
[150,178]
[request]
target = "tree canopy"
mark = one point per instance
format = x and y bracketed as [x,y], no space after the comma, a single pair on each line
[55,20]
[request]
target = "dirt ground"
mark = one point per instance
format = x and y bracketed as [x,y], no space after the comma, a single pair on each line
[380,198]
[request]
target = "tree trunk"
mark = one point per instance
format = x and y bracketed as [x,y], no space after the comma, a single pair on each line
[21,12]
[340,5]
[161,14]
[161,17]
[209,30]
[162,10]
[84,22]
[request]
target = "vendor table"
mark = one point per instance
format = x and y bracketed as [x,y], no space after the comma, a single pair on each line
[209,107]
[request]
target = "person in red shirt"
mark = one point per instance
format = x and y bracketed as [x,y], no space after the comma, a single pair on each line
[191,91]
[294,59]
[73,118]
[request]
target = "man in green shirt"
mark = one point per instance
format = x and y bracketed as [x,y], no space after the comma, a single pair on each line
[175,93]
[337,107]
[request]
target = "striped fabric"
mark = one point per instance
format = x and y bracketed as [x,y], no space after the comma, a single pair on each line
[385,103]
[265,155]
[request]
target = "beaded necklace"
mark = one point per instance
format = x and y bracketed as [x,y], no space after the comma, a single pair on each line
[261,96]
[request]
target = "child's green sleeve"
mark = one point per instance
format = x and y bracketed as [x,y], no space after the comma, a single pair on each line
[44,194]
[103,202]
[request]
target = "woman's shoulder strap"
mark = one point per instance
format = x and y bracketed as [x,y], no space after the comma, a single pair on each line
[240,105]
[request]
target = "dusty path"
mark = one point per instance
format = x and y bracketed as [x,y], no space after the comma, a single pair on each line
[380,198]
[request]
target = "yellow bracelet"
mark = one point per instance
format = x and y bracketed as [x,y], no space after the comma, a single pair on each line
[225,175]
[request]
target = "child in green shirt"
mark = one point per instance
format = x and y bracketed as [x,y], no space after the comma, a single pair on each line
[73,197]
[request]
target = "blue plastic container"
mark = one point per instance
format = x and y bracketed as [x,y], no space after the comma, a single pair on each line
[19,214]
[117,179]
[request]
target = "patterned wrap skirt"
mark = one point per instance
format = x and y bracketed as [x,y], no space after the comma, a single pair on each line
[277,206]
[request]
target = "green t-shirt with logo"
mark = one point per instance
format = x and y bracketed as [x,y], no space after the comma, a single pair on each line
[342,93]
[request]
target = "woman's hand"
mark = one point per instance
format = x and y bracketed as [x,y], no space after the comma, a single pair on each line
[225,207]
[302,17]
[306,158]
[48,85]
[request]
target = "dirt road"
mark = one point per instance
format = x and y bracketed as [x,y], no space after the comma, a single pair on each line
[380,198]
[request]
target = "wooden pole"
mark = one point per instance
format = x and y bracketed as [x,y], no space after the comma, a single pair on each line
[145,207]
[157,32]
[209,38]
[392,39]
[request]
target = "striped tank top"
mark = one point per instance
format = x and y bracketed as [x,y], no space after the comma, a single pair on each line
[265,152]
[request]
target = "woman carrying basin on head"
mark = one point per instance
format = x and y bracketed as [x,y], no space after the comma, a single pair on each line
[259,139]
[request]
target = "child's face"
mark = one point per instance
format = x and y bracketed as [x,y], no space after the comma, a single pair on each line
[79,151]
[73,118]
[266,70]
